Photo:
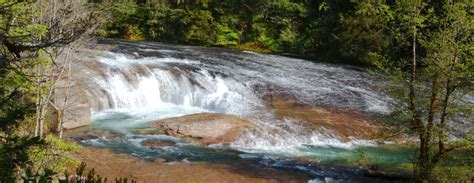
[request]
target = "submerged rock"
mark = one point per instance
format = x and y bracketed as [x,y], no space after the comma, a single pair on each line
[343,124]
[155,143]
[86,133]
[205,128]
[316,180]
[148,131]
[328,179]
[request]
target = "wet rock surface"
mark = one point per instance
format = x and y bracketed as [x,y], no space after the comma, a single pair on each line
[342,123]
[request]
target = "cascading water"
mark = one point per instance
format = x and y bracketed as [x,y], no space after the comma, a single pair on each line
[135,83]
[144,88]
[155,87]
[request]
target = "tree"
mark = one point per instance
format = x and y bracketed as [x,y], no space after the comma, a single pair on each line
[431,85]
[367,30]
[450,69]
[31,33]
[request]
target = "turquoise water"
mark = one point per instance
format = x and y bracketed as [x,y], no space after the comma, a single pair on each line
[315,161]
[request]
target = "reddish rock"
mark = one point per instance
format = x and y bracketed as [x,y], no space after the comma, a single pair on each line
[205,128]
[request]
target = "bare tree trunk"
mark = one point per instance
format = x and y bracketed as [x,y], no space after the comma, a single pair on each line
[40,104]
[38,100]
[413,74]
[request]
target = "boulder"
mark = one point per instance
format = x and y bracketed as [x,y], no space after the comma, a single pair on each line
[205,128]
[70,97]
[77,116]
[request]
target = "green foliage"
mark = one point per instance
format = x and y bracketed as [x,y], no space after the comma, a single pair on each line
[226,36]
[268,41]
[15,105]
[367,30]
[439,75]
[350,31]
[54,157]
[28,37]
[355,32]
[80,176]
[165,23]
[14,153]
[122,14]
[453,174]
[276,26]
[199,27]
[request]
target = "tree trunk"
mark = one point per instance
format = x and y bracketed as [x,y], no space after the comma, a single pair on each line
[413,76]
[423,166]
[38,102]
[442,124]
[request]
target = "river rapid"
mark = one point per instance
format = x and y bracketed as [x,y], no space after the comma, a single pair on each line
[129,84]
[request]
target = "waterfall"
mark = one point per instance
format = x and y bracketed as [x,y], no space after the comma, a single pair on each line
[158,85]
[136,84]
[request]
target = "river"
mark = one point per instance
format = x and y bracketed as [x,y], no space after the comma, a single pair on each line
[130,84]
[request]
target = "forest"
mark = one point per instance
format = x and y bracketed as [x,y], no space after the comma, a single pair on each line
[423,50]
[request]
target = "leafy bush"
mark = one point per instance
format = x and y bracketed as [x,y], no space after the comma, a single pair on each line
[52,157]
[80,176]
[226,36]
